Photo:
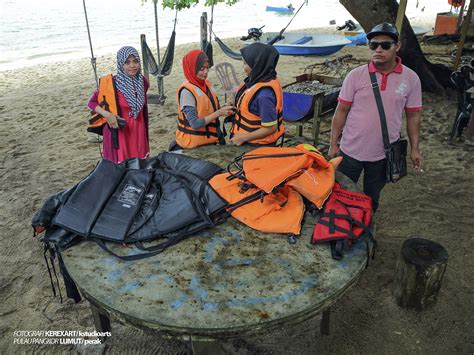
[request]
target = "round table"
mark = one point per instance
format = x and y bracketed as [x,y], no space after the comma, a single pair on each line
[229,281]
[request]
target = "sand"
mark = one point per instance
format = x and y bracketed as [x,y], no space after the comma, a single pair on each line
[45,149]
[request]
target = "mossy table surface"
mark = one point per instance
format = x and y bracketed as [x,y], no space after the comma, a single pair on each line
[224,281]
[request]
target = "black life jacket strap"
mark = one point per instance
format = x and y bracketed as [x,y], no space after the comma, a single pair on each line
[259,195]
[265,156]
[134,257]
[206,133]
[46,249]
[71,288]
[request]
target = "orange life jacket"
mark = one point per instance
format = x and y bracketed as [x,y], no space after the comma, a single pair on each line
[186,137]
[245,122]
[107,100]
[316,183]
[278,212]
[268,167]
[266,191]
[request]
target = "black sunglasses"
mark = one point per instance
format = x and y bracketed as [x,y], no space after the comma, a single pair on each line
[385,45]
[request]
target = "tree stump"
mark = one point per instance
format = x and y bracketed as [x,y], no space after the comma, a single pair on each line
[420,269]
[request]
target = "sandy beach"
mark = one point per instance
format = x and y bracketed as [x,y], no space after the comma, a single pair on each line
[45,149]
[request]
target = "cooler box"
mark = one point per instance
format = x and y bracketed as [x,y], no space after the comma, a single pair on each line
[446,22]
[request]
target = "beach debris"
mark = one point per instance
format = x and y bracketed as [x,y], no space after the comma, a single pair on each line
[311,87]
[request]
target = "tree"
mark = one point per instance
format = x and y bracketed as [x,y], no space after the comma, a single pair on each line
[434,77]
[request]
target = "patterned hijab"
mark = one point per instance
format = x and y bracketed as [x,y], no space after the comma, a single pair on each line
[132,87]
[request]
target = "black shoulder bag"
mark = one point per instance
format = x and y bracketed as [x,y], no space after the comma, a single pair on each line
[395,153]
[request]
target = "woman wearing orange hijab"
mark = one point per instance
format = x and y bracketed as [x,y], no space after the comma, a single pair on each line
[198,106]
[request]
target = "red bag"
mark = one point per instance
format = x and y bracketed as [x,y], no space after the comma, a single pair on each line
[346,216]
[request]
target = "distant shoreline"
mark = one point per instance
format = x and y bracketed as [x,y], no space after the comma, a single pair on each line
[44,59]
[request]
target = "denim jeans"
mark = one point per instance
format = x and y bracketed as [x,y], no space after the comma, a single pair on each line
[374,175]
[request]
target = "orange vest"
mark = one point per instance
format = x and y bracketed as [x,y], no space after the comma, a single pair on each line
[267,191]
[278,212]
[269,167]
[107,100]
[186,137]
[245,121]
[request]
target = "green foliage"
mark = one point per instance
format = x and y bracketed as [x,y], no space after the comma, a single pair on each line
[186,4]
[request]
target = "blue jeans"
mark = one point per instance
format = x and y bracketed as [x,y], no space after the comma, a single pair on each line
[374,175]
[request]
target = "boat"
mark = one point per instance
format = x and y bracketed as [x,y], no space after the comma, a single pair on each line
[305,43]
[287,9]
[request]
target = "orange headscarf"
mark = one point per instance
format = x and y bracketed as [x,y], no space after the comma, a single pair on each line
[192,63]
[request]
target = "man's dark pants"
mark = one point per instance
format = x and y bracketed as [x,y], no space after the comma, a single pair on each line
[374,175]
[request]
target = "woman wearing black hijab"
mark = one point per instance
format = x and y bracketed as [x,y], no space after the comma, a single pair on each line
[259,101]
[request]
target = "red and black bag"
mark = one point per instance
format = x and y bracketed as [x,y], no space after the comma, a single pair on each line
[346,218]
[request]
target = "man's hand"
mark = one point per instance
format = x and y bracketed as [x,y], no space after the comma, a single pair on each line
[416,159]
[334,151]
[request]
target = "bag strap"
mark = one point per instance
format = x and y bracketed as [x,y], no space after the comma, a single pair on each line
[383,120]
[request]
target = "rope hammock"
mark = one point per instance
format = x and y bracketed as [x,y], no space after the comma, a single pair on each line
[161,67]
[164,66]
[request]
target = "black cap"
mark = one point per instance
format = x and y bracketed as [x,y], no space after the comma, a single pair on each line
[383,28]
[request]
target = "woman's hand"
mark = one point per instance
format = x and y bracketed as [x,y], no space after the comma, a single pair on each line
[112,120]
[226,110]
[238,140]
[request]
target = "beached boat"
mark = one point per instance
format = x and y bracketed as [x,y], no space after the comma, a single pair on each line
[286,9]
[305,43]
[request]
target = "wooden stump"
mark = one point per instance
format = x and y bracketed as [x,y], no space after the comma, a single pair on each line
[420,269]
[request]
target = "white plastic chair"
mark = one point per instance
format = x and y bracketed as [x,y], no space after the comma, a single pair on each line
[226,74]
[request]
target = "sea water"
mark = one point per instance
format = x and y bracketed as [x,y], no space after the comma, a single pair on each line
[41,31]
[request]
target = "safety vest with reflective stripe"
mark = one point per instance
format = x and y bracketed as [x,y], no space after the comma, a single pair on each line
[246,122]
[186,136]
[107,99]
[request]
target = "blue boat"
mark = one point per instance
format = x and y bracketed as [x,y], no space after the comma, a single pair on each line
[288,9]
[306,44]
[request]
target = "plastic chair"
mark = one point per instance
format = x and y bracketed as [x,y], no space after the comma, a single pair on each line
[226,74]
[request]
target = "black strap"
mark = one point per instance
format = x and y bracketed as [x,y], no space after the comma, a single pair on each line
[259,195]
[45,250]
[197,133]
[71,288]
[383,120]
[134,257]
[265,156]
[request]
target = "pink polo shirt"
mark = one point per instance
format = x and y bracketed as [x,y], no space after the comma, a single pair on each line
[362,134]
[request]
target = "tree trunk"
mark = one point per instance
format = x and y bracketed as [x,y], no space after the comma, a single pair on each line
[434,77]
[420,269]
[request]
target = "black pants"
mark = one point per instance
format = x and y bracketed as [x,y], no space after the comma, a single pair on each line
[374,175]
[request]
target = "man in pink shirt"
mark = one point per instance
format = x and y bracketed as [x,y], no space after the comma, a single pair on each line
[358,119]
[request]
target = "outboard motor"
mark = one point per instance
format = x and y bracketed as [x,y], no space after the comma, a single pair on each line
[349,25]
[254,33]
